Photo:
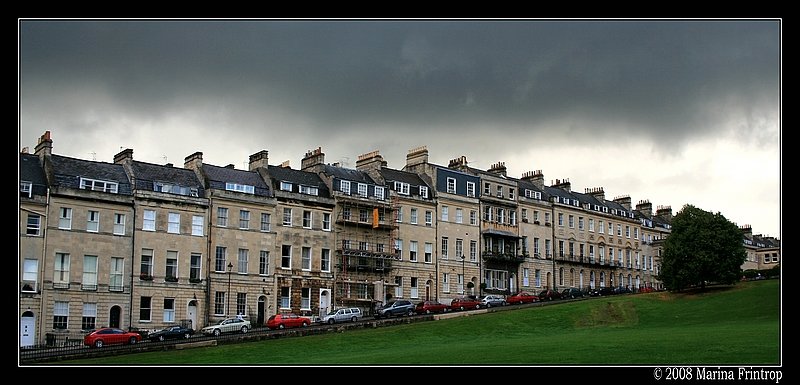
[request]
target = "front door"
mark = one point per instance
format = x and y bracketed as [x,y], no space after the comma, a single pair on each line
[114,316]
[27,334]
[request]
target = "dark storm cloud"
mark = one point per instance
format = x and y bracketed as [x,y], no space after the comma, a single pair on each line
[663,79]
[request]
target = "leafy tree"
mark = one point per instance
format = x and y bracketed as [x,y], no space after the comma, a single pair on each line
[702,247]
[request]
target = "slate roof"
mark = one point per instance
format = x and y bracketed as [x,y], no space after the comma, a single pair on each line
[219,176]
[347,174]
[67,172]
[147,173]
[30,170]
[297,178]
[392,175]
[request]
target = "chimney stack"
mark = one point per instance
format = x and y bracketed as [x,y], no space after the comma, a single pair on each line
[665,213]
[645,207]
[597,193]
[371,161]
[194,161]
[498,168]
[459,163]
[312,159]
[535,177]
[45,145]
[625,201]
[124,156]
[563,184]
[417,156]
[259,160]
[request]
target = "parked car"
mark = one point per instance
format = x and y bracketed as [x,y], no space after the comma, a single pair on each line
[287,320]
[228,325]
[622,290]
[572,292]
[492,300]
[603,291]
[110,336]
[521,297]
[172,332]
[396,308]
[428,307]
[549,295]
[342,315]
[465,303]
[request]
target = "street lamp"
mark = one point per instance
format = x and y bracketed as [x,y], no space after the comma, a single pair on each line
[228,305]
[463,277]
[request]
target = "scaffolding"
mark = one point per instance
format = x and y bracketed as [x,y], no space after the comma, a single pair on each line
[366,233]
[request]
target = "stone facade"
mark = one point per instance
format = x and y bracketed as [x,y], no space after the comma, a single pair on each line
[139,245]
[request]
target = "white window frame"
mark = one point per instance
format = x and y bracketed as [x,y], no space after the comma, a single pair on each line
[326,221]
[344,186]
[173,225]
[149,224]
[197,225]
[65,218]
[286,186]
[471,189]
[93,221]
[402,188]
[379,193]
[423,191]
[119,224]
[451,185]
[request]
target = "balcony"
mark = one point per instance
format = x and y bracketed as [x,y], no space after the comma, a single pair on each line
[498,256]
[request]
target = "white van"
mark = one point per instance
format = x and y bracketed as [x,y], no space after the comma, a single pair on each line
[344,314]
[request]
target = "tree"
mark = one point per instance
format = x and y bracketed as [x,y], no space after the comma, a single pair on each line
[702,247]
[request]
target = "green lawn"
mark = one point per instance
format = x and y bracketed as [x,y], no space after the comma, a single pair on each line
[737,325]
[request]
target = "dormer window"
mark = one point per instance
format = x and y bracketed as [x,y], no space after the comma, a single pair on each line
[243,188]
[25,189]
[362,190]
[423,191]
[174,189]
[379,194]
[344,186]
[99,185]
[308,190]
[286,186]
[402,188]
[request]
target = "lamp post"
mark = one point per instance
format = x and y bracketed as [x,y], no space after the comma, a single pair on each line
[463,277]
[228,305]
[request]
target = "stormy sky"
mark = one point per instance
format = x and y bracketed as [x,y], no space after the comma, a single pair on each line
[670,111]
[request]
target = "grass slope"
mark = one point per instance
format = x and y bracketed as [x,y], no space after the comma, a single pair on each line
[737,325]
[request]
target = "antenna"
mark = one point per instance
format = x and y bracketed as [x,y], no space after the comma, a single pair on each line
[94,155]
[165,158]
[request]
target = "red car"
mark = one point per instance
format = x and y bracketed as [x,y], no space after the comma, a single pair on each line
[287,320]
[521,297]
[110,336]
[465,303]
[428,307]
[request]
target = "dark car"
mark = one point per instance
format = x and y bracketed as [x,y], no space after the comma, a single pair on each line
[172,332]
[396,308]
[428,307]
[622,290]
[603,291]
[549,295]
[572,292]
[109,336]
[521,297]
[465,303]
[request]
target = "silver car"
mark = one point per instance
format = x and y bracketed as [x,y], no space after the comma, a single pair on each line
[493,300]
[344,314]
